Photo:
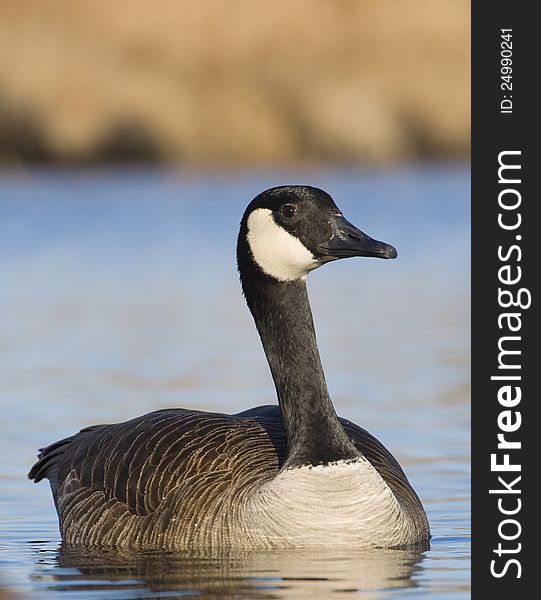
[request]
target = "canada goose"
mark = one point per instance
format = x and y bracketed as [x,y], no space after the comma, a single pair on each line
[292,475]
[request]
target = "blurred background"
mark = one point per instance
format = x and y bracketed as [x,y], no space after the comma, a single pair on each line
[241,83]
[133,134]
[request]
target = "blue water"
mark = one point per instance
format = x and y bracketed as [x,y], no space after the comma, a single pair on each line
[119,295]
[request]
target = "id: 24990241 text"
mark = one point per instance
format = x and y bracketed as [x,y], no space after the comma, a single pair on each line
[506,70]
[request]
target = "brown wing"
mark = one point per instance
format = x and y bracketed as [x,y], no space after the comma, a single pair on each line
[106,471]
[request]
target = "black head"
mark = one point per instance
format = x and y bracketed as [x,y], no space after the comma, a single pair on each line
[288,231]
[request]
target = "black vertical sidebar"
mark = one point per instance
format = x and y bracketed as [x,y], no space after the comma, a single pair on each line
[506,363]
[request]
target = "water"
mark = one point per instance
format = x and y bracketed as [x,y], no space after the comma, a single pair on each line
[119,295]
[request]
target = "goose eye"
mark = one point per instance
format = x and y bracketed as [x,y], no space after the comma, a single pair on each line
[289,210]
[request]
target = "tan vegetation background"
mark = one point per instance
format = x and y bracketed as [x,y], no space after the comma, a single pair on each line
[233,82]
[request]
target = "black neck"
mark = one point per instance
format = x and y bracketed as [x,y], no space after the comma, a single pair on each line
[283,317]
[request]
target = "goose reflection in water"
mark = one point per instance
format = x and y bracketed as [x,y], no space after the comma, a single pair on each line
[234,574]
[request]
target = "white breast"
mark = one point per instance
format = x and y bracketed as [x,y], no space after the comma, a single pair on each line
[345,503]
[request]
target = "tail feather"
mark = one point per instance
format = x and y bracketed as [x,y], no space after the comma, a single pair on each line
[49,457]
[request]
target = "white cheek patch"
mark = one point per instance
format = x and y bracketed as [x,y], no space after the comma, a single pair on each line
[277,252]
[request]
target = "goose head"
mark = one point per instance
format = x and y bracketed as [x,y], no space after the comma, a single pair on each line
[288,231]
